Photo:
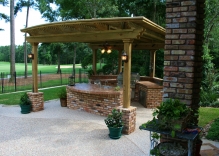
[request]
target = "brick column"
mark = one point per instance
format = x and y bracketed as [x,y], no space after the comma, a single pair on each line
[129,119]
[183,50]
[37,101]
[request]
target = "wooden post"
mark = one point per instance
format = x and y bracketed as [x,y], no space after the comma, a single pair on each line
[94,61]
[152,63]
[35,67]
[119,62]
[127,74]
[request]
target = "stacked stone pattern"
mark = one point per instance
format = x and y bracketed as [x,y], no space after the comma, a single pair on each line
[37,101]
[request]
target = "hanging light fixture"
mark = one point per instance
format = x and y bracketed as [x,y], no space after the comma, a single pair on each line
[106,48]
[109,51]
[102,51]
[30,56]
[124,57]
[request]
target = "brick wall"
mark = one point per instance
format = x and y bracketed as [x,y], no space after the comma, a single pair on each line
[37,101]
[129,119]
[96,102]
[153,93]
[183,50]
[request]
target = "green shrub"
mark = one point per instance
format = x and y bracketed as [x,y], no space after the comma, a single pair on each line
[213,133]
[99,71]
[25,100]
[107,69]
[208,97]
[62,94]
[215,104]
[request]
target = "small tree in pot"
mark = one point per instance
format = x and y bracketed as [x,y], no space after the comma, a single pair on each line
[114,124]
[25,104]
[63,97]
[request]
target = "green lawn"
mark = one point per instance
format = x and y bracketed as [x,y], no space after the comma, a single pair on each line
[49,94]
[5,67]
[207,114]
[19,67]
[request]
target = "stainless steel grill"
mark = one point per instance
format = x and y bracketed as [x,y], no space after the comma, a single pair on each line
[135,77]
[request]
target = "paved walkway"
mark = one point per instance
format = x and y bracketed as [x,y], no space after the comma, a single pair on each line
[59,131]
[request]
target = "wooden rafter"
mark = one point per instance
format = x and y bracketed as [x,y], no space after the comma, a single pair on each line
[140,29]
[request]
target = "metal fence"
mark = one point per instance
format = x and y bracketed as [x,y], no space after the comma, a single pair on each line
[21,83]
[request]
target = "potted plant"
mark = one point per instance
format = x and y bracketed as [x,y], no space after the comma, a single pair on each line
[25,104]
[114,124]
[174,116]
[171,115]
[63,97]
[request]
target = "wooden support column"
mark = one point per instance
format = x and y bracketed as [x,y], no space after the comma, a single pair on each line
[119,62]
[127,74]
[152,63]
[35,67]
[94,67]
[35,97]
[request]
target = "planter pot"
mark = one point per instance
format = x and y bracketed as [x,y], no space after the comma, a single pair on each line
[198,145]
[115,133]
[63,102]
[25,109]
[171,149]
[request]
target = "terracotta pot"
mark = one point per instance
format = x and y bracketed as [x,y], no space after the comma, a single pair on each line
[63,102]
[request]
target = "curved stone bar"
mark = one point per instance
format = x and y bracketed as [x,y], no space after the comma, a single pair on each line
[94,99]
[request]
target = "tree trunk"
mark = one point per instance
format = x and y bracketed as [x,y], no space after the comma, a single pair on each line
[25,42]
[12,49]
[73,72]
[154,16]
[58,70]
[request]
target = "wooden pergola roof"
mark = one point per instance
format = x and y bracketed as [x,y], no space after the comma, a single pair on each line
[122,33]
[145,33]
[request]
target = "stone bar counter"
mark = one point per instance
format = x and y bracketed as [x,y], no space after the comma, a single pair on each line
[93,98]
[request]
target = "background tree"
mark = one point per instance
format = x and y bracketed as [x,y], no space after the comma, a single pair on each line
[2,15]
[57,48]
[20,4]
[12,49]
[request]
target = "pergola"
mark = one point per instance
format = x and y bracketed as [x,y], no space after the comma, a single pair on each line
[121,33]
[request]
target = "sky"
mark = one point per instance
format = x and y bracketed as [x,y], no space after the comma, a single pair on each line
[20,21]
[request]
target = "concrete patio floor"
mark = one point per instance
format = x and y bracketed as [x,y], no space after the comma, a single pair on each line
[59,131]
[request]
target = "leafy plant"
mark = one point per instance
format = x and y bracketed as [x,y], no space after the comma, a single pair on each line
[117,88]
[90,72]
[62,93]
[25,100]
[213,133]
[208,97]
[168,116]
[114,119]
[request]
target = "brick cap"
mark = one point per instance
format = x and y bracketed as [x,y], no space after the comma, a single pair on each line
[32,93]
[131,108]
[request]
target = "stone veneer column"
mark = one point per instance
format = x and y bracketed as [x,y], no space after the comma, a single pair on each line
[183,50]
[129,119]
[37,101]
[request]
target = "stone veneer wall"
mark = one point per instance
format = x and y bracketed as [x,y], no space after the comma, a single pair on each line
[183,50]
[37,101]
[99,103]
[129,119]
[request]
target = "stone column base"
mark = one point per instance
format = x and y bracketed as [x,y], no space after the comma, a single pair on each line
[129,119]
[37,101]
